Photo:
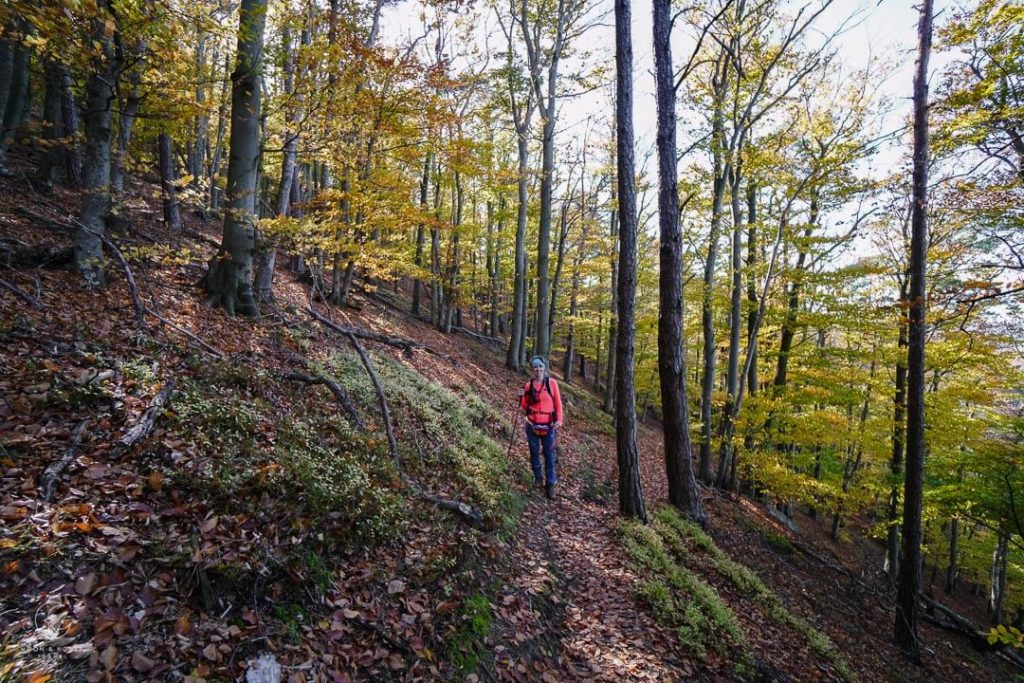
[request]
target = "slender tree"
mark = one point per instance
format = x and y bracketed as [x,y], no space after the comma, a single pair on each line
[682,483]
[631,498]
[909,583]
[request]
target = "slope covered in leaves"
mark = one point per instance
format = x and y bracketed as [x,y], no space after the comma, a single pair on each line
[261,517]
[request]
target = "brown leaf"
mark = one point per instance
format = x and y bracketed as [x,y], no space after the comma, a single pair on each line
[85,583]
[141,662]
[108,658]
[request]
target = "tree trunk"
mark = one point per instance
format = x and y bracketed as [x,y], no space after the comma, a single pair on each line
[631,499]
[707,385]
[892,555]
[417,283]
[99,98]
[613,326]
[16,102]
[683,492]
[126,121]
[997,588]
[512,358]
[215,197]
[909,583]
[69,111]
[53,129]
[953,568]
[231,275]
[172,213]
[735,321]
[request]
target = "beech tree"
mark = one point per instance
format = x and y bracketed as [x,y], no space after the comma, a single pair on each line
[230,276]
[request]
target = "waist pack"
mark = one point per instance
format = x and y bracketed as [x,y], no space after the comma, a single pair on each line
[540,430]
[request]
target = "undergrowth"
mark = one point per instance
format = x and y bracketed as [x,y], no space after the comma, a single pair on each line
[682,600]
[686,539]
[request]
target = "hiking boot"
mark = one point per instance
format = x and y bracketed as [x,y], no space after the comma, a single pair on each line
[549,491]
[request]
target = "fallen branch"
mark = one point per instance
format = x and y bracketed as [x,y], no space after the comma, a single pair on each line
[59,226]
[389,430]
[141,429]
[339,393]
[197,340]
[55,469]
[27,298]
[407,345]
[466,511]
[477,335]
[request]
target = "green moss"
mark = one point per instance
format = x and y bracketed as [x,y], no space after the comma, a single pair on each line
[466,645]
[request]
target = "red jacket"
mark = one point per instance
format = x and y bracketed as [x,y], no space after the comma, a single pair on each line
[540,404]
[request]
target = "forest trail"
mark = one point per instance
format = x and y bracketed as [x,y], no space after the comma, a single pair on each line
[141,568]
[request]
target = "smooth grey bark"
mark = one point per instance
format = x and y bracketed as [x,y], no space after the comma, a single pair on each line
[563,234]
[631,498]
[522,119]
[53,130]
[909,578]
[172,210]
[522,123]
[608,404]
[683,491]
[6,67]
[129,103]
[751,278]
[417,284]
[198,151]
[69,111]
[720,86]
[215,196]
[98,128]
[789,323]
[16,102]
[495,271]
[722,480]
[997,579]
[544,64]
[953,568]
[899,426]
[230,279]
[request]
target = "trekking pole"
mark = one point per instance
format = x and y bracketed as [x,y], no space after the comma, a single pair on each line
[515,425]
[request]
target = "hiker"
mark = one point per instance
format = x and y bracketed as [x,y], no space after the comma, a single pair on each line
[543,405]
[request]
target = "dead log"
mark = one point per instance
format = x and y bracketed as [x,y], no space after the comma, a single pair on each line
[957,623]
[144,426]
[55,469]
[339,393]
[477,335]
[407,345]
[464,510]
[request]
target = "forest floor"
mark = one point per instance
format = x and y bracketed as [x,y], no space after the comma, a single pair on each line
[177,559]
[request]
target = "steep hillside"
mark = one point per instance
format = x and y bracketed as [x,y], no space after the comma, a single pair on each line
[186,494]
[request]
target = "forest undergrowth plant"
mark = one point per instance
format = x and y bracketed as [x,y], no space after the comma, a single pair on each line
[686,540]
[682,600]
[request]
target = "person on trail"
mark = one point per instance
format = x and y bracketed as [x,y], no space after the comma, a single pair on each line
[543,405]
